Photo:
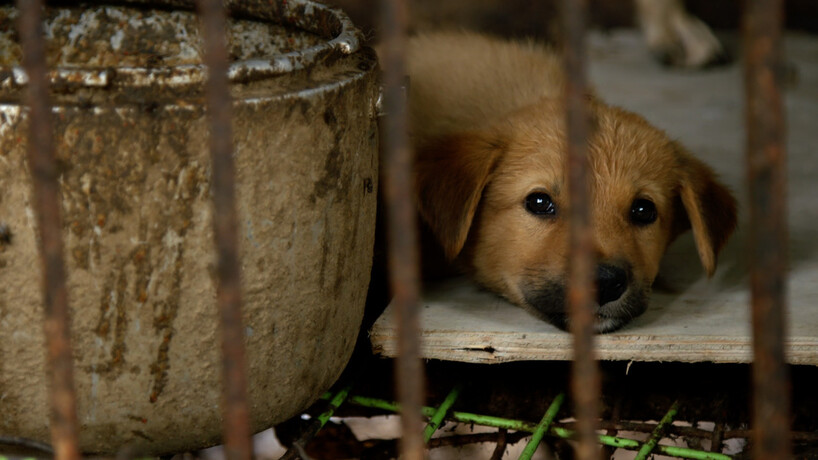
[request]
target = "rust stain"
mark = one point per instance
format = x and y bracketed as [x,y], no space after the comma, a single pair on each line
[103,325]
[165,312]
[136,418]
[331,179]
[334,177]
[141,261]
[115,166]
[77,228]
[80,256]
[113,318]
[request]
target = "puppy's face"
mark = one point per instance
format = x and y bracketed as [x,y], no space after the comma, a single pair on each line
[497,199]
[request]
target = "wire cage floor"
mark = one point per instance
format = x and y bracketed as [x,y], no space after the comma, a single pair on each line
[668,410]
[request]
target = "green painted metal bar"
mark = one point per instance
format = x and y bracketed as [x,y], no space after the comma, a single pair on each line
[496,422]
[440,413]
[519,425]
[630,444]
[334,403]
[374,403]
[658,432]
[684,452]
[542,427]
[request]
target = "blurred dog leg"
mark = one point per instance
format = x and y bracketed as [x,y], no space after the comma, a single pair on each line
[676,37]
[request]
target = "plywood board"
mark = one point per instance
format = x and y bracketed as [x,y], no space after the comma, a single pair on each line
[691,318]
[462,323]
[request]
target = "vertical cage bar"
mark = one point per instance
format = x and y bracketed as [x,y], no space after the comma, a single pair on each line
[402,229]
[766,173]
[234,375]
[580,299]
[43,168]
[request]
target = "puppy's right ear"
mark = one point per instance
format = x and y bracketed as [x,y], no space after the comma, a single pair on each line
[450,175]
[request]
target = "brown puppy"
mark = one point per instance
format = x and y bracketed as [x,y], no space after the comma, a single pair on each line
[487,124]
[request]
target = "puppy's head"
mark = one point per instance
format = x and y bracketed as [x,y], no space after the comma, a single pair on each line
[496,198]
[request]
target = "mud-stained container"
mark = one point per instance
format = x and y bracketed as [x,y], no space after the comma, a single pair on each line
[131,145]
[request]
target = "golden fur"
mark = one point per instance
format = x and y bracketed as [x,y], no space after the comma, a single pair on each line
[487,123]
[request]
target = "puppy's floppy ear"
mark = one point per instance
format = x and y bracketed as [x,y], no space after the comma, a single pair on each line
[450,175]
[709,209]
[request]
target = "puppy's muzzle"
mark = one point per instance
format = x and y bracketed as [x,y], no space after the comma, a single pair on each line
[619,298]
[611,283]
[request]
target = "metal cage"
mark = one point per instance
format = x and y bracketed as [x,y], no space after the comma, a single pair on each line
[765,173]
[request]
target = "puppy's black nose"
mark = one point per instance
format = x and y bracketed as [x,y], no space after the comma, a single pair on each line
[611,283]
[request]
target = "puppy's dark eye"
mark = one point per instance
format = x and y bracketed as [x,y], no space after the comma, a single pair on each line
[643,212]
[540,204]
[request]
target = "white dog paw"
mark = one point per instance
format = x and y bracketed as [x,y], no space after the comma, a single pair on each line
[677,38]
[701,48]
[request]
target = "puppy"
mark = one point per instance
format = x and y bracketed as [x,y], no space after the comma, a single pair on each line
[487,124]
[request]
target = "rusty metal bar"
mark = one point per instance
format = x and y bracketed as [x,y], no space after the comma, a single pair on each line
[502,444]
[766,174]
[717,438]
[402,229]
[585,384]
[43,168]
[237,444]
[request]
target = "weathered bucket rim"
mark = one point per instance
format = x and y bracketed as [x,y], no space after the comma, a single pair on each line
[307,15]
